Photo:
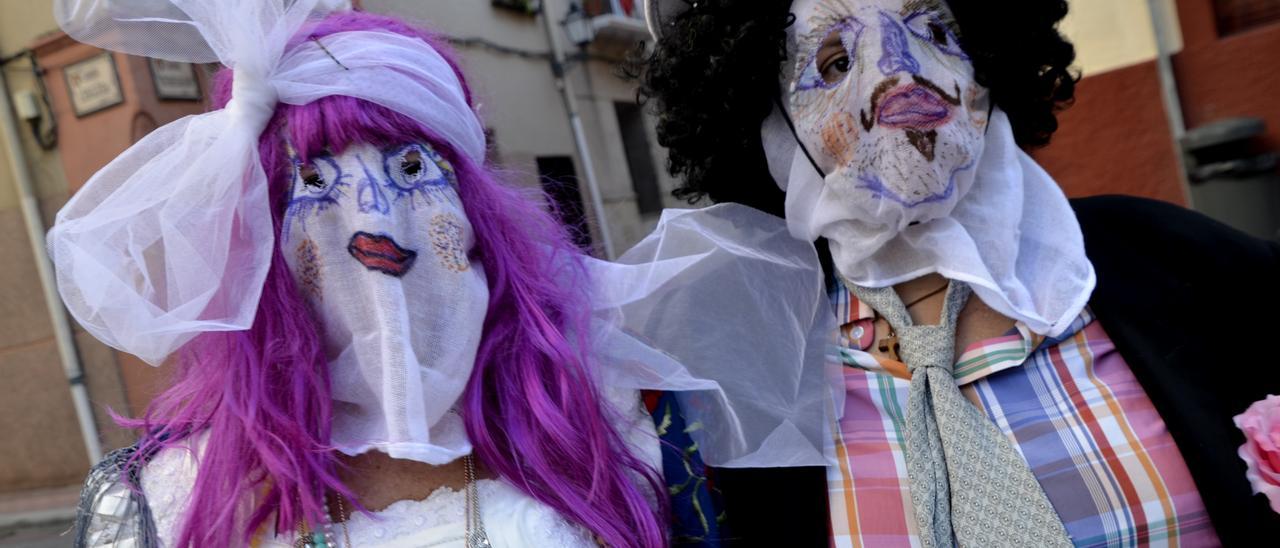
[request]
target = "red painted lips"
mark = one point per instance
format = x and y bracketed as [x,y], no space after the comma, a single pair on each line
[913,106]
[381,253]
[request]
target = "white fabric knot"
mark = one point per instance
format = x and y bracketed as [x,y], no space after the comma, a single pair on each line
[253,102]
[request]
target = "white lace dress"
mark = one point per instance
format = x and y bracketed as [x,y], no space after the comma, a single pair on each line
[511,518]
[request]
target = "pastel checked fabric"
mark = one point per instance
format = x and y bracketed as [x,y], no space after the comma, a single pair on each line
[1069,405]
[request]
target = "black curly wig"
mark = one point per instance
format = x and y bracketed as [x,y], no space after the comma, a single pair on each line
[713,79]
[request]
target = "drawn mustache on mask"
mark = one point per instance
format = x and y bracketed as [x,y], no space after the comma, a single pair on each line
[920,104]
[918,109]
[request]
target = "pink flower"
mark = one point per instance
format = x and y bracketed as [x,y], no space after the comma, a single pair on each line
[1261,450]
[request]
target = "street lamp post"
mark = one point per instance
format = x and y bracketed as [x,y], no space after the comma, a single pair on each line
[577,27]
[1160,17]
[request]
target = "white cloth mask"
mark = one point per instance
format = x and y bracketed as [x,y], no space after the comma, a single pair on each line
[901,173]
[377,240]
[885,101]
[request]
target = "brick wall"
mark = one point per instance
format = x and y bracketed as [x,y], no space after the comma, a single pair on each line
[1115,139]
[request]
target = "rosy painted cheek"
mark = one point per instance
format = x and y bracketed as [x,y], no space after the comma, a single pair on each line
[977,103]
[447,240]
[308,263]
[840,137]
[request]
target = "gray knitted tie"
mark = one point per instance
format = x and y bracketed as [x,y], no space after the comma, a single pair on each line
[964,474]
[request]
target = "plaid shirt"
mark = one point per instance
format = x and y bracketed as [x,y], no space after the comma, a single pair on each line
[1069,404]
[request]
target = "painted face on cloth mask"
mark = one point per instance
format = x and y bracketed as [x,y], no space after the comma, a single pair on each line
[906,170]
[885,101]
[378,242]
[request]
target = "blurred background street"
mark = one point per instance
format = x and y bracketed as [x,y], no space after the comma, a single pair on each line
[1178,102]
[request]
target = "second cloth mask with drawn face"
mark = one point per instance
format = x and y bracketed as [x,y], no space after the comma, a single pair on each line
[378,242]
[906,169]
[885,101]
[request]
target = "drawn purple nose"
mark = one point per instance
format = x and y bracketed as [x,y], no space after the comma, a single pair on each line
[897,49]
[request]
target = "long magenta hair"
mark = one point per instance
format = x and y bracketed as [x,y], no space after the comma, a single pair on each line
[261,398]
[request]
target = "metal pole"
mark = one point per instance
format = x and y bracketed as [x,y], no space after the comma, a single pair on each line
[1160,15]
[35,233]
[579,135]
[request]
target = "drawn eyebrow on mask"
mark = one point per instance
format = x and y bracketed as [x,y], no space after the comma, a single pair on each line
[821,23]
[913,6]
[934,7]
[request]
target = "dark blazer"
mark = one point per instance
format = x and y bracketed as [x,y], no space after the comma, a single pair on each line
[1191,304]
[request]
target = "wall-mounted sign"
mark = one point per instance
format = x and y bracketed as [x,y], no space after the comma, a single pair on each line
[174,80]
[93,84]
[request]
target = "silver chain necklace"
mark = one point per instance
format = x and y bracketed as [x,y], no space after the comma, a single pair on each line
[476,537]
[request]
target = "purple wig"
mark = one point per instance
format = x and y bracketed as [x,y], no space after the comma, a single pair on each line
[261,397]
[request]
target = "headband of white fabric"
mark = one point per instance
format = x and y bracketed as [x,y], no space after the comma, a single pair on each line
[174,237]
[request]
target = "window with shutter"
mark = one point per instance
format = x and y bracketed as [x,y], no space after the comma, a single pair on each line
[1239,15]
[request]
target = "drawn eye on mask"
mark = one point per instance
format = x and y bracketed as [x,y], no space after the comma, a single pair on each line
[929,27]
[318,179]
[317,185]
[415,170]
[834,57]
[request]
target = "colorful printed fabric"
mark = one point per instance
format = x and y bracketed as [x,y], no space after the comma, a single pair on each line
[1069,404]
[696,512]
